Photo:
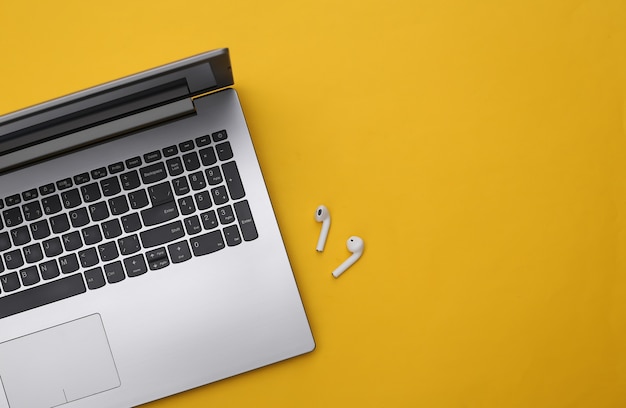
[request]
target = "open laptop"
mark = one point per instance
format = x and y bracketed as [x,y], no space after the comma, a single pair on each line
[139,252]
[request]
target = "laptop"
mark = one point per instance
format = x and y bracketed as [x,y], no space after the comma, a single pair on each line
[139,252]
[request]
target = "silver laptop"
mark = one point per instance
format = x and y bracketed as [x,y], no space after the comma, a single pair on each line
[139,252]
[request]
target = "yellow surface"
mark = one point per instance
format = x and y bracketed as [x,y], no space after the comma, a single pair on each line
[477,146]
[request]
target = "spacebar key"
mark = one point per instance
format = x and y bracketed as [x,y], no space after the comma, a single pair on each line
[42,295]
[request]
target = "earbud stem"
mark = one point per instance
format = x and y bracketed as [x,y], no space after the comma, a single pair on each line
[321,242]
[346,264]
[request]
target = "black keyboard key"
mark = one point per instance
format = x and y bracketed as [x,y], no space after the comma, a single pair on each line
[203,140]
[13,259]
[226,214]
[152,156]
[160,193]
[196,180]
[116,167]
[49,269]
[98,211]
[246,222]
[1,204]
[153,173]
[181,187]
[90,192]
[88,257]
[231,234]
[207,156]
[64,184]
[108,251]
[118,205]
[192,225]
[29,276]
[20,235]
[12,217]
[69,263]
[110,186]
[79,217]
[207,243]
[47,189]
[52,247]
[138,199]
[81,178]
[219,195]
[133,162]
[162,235]
[33,253]
[13,200]
[191,161]
[5,241]
[72,241]
[233,181]
[219,136]
[9,283]
[114,272]
[71,198]
[1,266]
[99,173]
[203,200]
[59,223]
[111,229]
[131,222]
[30,194]
[91,235]
[170,151]
[186,146]
[186,205]
[156,254]
[130,180]
[179,252]
[214,175]
[224,151]
[32,210]
[174,166]
[135,266]
[209,220]
[159,214]
[51,205]
[41,295]
[94,278]
[158,264]
[129,245]
[157,259]
[40,229]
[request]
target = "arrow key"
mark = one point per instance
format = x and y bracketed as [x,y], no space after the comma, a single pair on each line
[135,266]
[156,254]
[179,251]
[161,263]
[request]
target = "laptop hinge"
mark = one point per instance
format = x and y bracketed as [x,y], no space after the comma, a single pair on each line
[97,133]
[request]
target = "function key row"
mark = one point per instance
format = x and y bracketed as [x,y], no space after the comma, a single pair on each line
[223,151]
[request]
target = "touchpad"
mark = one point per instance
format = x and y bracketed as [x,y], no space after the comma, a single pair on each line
[57,365]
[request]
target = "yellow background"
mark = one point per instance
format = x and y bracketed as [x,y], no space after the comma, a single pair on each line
[478,147]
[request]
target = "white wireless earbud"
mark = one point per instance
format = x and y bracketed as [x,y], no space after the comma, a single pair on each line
[355,245]
[322,215]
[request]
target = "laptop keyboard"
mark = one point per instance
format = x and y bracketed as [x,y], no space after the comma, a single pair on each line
[121,221]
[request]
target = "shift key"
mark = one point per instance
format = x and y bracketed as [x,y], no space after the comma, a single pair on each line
[162,235]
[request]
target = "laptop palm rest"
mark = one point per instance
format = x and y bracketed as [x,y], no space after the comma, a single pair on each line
[57,365]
